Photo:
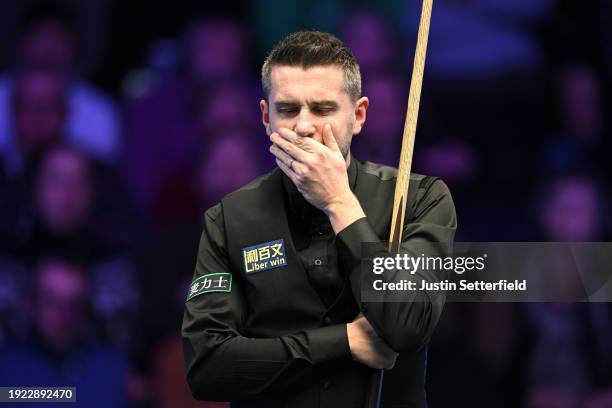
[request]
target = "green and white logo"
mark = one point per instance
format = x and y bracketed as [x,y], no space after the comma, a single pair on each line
[211,282]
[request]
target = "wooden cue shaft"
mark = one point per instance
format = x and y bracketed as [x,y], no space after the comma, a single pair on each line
[412,113]
[403,173]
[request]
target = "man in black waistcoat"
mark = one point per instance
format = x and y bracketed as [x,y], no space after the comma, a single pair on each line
[274,316]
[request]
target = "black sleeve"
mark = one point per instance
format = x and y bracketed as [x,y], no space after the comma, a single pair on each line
[224,365]
[406,325]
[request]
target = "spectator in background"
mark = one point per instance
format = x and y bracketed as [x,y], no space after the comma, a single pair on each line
[230,163]
[60,352]
[570,358]
[474,356]
[573,208]
[47,41]
[61,201]
[580,135]
[39,111]
[225,106]
[217,50]
[165,123]
[374,43]
[222,115]
[57,222]
[485,92]
[381,138]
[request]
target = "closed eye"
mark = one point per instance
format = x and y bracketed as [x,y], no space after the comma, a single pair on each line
[323,111]
[288,111]
[323,108]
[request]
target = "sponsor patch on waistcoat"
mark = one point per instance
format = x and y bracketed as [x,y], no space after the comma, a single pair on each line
[264,256]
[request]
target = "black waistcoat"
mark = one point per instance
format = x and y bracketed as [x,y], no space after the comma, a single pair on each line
[281,300]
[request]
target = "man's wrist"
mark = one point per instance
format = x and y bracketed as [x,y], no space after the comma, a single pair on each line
[344,211]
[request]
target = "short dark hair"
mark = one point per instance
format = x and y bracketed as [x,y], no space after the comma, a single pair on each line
[312,48]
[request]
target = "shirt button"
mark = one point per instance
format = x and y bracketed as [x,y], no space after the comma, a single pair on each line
[327,384]
[318,262]
[327,320]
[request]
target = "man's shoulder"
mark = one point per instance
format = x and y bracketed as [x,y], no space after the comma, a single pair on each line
[386,173]
[215,212]
[380,179]
[255,184]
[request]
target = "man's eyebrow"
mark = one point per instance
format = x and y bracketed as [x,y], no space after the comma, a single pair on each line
[328,104]
[286,104]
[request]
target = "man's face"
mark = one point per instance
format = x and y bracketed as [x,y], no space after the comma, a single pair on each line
[63,191]
[304,100]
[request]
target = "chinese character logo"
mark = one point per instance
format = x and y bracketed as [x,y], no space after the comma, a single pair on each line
[211,282]
[264,256]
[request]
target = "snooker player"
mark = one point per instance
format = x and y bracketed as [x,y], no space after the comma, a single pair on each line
[274,316]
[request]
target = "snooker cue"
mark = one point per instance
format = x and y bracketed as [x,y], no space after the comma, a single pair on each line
[405,163]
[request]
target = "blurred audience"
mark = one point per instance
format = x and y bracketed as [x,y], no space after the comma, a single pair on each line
[580,133]
[182,110]
[381,137]
[60,351]
[217,173]
[39,111]
[373,41]
[57,221]
[573,207]
[47,41]
[570,355]
[474,356]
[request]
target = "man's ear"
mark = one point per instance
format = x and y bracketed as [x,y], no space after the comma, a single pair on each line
[265,116]
[360,114]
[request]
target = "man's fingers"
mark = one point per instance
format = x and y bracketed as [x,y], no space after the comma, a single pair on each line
[307,144]
[280,154]
[292,137]
[288,171]
[288,146]
[291,163]
[329,140]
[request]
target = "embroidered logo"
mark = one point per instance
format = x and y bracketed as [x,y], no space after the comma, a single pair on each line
[211,282]
[264,256]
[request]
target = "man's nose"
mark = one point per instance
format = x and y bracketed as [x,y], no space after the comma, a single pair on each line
[304,127]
